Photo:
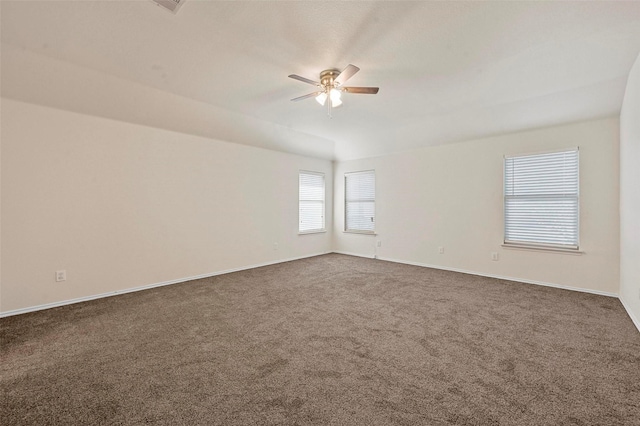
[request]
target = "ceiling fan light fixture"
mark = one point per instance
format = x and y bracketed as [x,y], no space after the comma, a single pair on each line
[331,87]
[321,98]
[335,94]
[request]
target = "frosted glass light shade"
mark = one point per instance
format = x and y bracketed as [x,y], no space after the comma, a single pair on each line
[335,94]
[321,98]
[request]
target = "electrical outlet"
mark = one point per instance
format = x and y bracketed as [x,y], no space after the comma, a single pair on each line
[61,275]
[495,256]
[441,250]
[275,246]
[379,243]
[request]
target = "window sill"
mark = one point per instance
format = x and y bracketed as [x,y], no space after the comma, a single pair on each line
[576,252]
[360,232]
[320,231]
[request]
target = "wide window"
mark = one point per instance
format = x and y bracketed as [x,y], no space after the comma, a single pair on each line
[541,204]
[360,201]
[311,202]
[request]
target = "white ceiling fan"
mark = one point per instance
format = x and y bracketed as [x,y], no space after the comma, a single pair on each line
[331,86]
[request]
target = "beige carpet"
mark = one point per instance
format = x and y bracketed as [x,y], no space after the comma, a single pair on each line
[330,340]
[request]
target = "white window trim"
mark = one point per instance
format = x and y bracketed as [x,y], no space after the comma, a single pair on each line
[536,247]
[324,231]
[548,247]
[358,231]
[324,204]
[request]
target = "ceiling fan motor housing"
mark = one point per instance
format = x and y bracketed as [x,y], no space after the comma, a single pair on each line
[328,76]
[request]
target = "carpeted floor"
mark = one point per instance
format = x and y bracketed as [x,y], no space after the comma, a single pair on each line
[329,340]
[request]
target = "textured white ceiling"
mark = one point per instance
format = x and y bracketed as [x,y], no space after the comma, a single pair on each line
[447,71]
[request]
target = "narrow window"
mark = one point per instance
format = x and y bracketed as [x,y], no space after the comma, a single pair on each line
[360,201]
[311,202]
[541,200]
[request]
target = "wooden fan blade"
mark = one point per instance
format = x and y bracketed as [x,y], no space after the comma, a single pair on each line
[304,80]
[346,74]
[299,98]
[363,90]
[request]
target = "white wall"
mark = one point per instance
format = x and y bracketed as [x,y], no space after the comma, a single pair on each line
[451,196]
[630,196]
[120,205]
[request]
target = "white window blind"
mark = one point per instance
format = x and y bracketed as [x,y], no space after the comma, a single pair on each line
[541,204]
[360,201]
[311,202]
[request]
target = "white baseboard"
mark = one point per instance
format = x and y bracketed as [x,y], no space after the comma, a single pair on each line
[145,287]
[227,271]
[634,319]
[373,256]
[520,280]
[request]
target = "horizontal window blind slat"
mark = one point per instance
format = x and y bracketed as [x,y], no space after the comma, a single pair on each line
[542,164]
[549,168]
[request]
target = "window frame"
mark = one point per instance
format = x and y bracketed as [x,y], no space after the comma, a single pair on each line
[346,201]
[543,245]
[324,203]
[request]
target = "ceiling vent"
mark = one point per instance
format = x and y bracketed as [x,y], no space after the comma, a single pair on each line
[170,5]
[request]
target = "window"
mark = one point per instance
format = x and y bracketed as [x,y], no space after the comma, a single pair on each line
[360,201]
[541,205]
[311,202]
